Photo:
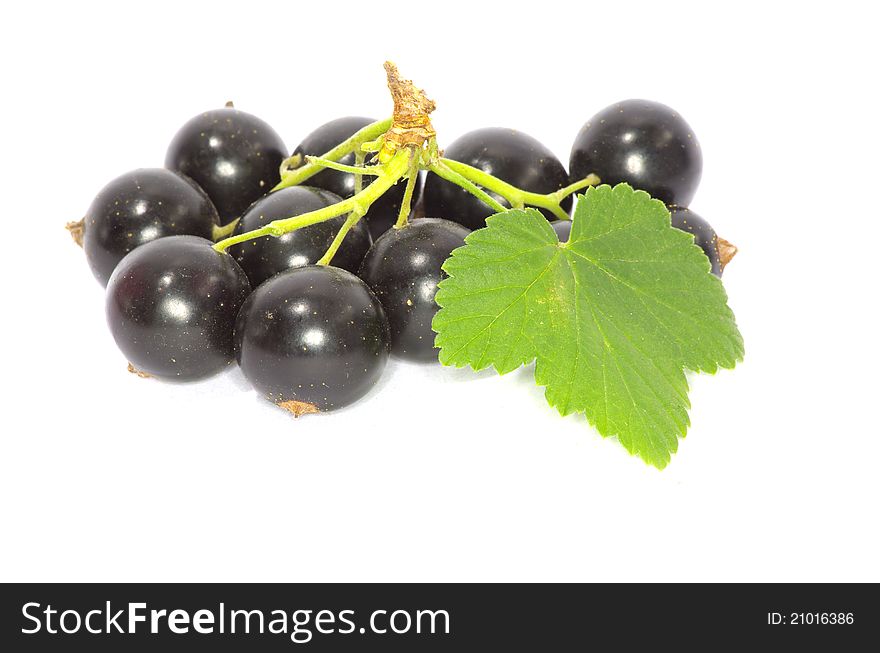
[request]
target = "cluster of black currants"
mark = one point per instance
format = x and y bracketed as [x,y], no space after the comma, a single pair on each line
[310,337]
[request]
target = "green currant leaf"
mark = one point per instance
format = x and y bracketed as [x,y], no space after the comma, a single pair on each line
[613,317]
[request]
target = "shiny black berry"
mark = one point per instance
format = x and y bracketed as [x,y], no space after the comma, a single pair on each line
[139,207]
[403,269]
[384,211]
[646,144]
[704,235]
[312,339]
[510,155]
[234,156]
[171,306]
[261,258]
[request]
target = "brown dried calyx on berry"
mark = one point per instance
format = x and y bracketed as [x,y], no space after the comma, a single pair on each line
[77,230]
[726,251]
[298,408]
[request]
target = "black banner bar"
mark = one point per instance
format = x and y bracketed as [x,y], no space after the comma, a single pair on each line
[431,617]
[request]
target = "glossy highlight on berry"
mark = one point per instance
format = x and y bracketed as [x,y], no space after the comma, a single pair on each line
[234,156]
[312,339]
[138,207]
[403,268]
[171,306]
[645,144]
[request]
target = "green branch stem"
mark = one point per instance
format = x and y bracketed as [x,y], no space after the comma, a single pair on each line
[359,158]
[446,172]
[406,204]
[353,217]
[517,197]
[406,163]
[341,167]
[225,231]
[562,193]
[300,174]
[373,146]
[359,203]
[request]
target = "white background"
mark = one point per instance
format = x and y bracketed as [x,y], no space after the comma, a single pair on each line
[443,474]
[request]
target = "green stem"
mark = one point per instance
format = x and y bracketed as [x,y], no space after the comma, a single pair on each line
[589,180]
[281,227]
[359,158]
[341,167]
[406,204]
[545,202]
[517,197]
[351,221]
[219,233]
[360,202]
[373,146]
[299,175]
[447,173]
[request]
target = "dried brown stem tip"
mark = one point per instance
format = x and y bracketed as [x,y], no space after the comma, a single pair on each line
[77,230]
[410,122]
[726,251]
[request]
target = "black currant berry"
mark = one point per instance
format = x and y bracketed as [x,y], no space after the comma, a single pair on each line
[262,258]
[234,156]
[403,269]
[139,207]
[171,306]
[704,235]
[646,144]
[510,155]
[562,229]
[384,211]
[312,339]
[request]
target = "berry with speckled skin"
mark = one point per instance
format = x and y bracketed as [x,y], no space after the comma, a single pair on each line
[403,268]
[139,207]
[264,257]
[646,144]
[510,155]
[704,235]
[171,305]
[384,211]
[312,339]
[234,156]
